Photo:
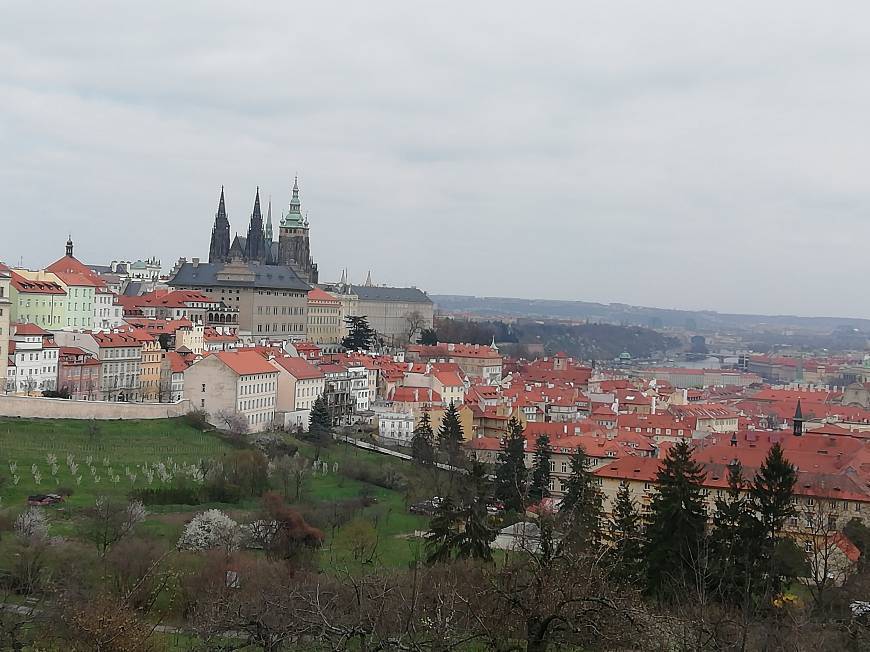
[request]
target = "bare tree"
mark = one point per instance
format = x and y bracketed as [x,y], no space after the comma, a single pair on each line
[109,521]
[234,422]
[827,549]
[414,323]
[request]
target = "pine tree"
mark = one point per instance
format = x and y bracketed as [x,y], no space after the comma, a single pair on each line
[625,533]
[463,531]
[580,510]
[443,530]
[771,499]
[473,542]
[735,543]
[511,472]
[422,443]
[320,422]
[539,487]
[360,336]
[450,434]
[675,534]
[428,337]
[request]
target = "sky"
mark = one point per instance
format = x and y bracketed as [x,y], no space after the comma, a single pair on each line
[670,154]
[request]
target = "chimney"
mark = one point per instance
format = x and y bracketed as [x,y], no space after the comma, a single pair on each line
[416,395]
[195,262]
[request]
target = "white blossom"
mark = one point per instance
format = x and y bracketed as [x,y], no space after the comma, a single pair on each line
[32,524]
[209,530]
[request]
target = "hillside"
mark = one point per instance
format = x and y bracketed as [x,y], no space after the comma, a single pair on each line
[619,313]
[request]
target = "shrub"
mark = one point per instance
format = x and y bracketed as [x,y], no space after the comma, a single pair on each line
[32,525]
[210,530]
[197,419]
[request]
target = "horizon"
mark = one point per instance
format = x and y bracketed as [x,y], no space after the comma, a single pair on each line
[655,155]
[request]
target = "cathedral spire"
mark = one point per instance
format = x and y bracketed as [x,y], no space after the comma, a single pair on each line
[255,245]
[219,248]
[369,279]
[269,221]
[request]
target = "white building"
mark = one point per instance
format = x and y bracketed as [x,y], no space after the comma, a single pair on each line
[300,383]
[230,383]
[33,359]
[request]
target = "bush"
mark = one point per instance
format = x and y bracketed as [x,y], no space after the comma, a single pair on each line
[32,525]
[376,474]
[210,530]
[197,419]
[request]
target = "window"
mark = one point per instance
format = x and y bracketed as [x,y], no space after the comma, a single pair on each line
[202,403]
[808,546]
[203,387]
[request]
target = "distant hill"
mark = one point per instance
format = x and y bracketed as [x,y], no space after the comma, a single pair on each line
[620,313]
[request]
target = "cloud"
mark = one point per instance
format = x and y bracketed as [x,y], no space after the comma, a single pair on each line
[676,155]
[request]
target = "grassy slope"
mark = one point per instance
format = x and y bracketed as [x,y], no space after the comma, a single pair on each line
[123,444]
[128,444]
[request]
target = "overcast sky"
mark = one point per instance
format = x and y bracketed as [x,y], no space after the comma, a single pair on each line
[675,154]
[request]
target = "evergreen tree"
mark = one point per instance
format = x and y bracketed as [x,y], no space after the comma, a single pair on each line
[451,435]
[473,541]
[422,443]
[675,534]
[320,422]
[771,499]
[580,510]
[462,531]
[539,487]
[443,530]
[734,545]
[428,337]
[625,533]
[511,472]
[360,336]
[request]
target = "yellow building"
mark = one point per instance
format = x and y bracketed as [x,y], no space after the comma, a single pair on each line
[150,387]
[324,318]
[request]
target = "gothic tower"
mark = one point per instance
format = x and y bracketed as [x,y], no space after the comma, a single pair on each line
[219,249]
[255,245]
[268,234]
[294,247]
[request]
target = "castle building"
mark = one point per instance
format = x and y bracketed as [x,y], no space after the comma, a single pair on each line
[294,247]
[292,250]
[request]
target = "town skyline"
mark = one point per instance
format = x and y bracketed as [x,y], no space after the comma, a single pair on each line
[457,127]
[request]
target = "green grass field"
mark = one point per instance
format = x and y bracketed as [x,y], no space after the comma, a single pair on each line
[104,459]
[111,458]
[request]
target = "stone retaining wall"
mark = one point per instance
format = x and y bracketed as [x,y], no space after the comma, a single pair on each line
[58,408]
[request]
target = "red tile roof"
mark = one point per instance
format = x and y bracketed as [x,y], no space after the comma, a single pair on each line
[299,368]
[245,363]
[316,294]
[28,329]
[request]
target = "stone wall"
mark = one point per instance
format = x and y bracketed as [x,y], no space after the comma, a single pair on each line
[58,408]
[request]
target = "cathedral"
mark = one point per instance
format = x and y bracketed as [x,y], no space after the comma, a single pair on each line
[292,249]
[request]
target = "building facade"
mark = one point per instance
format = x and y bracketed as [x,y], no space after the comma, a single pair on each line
[325,325]
[78,373]
[271,300]
[5,313]
[32,361]
[231,383]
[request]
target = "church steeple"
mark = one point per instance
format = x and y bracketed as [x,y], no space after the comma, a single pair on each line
[219,248]
[293,218]
[798,420]
[69,246]
[255,245]
[269,222]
